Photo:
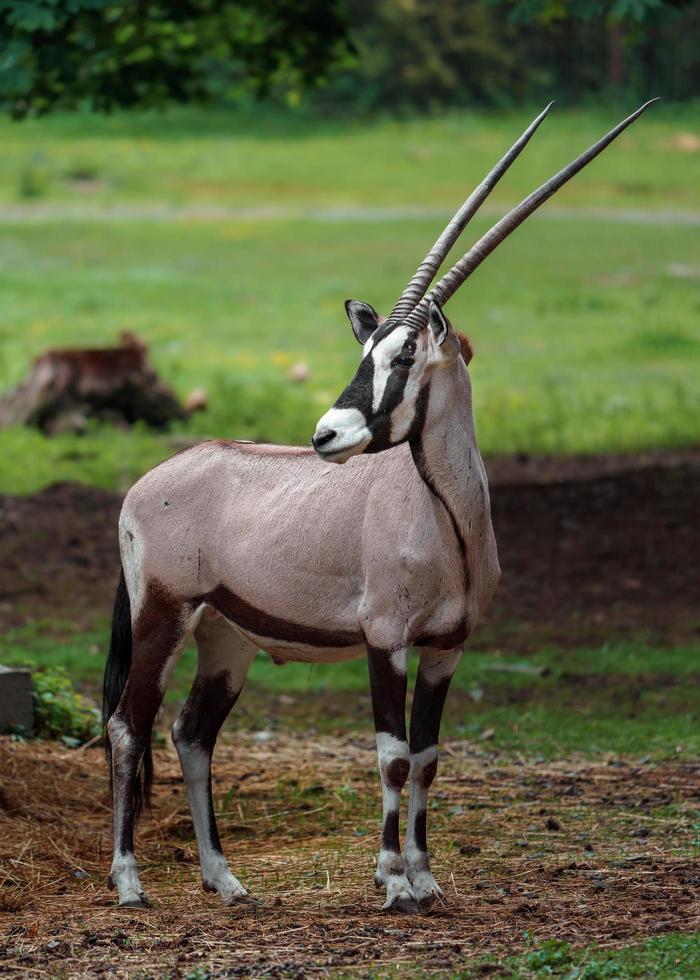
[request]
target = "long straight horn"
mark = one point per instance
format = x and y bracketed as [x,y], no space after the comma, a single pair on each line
[448,285]
[425,273]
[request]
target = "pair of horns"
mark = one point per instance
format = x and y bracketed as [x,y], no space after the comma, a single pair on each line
[413,304]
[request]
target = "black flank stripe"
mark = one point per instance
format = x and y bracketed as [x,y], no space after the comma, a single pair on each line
[265,625]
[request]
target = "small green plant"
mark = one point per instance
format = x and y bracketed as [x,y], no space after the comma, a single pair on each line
[33,178]
[347,794]
[198,973]
[60,711]
[549,958]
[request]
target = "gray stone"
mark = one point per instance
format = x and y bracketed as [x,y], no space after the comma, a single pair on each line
[16,709]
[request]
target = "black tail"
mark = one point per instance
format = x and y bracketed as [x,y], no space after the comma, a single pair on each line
[116,674]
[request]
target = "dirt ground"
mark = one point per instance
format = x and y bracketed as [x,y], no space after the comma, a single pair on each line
[603,852]
[591,548]
[590,853]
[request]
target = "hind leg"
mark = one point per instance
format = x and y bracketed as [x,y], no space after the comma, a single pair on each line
[224,659]
[159,630]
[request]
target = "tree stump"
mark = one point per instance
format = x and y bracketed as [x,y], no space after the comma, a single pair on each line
[66,387]
[16,704]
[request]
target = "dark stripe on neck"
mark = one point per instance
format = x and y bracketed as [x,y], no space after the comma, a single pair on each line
[415,440]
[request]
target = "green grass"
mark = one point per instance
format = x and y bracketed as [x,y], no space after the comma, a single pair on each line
[586,328]
[587,336]
[628,699]
[261,158]
[672,957]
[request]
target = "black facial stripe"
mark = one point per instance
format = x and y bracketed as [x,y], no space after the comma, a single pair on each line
[381,422]
[381,332]
[359,392]
[409,345]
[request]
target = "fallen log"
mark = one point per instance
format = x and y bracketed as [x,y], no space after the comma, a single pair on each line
[66,387]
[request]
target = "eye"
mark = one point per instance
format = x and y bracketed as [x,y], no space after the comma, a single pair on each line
[403,360]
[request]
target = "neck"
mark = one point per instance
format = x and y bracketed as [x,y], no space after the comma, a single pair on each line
[445,451]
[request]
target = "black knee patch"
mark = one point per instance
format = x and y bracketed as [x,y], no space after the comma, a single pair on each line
[396,773]
[428,774]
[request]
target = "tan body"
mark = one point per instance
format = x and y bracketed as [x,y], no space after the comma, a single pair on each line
[265,547]
[314,545]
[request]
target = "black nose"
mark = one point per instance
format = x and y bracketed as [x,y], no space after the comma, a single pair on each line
[321,438]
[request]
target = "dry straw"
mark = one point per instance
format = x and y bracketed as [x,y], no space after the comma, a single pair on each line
[591,853]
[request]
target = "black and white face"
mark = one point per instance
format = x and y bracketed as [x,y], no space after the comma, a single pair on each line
[385,402]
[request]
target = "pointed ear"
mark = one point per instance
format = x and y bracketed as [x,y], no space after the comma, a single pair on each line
[363,317]
[439,324]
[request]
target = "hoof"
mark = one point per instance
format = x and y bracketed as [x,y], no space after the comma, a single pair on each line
[241,900]
[136,903]
[426,890]
[402,903]
[428,901]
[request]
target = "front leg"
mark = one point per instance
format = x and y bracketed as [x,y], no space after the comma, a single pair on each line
[387,677]
[434,676]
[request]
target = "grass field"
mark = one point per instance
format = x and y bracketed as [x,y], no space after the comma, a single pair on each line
[263,159]
[585,324]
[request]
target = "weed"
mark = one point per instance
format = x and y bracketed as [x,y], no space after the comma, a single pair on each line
[60,711]
[33,178]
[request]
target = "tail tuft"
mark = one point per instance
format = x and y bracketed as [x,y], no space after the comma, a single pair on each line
[115,678]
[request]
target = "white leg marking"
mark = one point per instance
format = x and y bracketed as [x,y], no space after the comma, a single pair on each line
[123,874]
[391,865]
[399,661]
[125,878]
[216,875]
[417,858]
[435,667]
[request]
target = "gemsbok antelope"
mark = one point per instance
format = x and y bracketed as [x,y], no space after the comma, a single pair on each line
[259,546]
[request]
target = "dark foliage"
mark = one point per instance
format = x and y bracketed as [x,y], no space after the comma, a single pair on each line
[122,53]
[429,54]
[353,56]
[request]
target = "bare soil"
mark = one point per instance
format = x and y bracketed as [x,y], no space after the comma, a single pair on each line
[593,853]
[592,549]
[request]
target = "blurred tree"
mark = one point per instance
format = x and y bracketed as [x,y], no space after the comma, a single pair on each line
[370,55]
[627,24]
[430,53]
[107,53]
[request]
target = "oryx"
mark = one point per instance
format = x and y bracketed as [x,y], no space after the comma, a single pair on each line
[259,546]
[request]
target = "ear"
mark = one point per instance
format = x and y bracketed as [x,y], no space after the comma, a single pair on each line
[363,317]
[439,324]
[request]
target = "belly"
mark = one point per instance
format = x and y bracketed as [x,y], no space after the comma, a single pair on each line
[313,655]
[303,645]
